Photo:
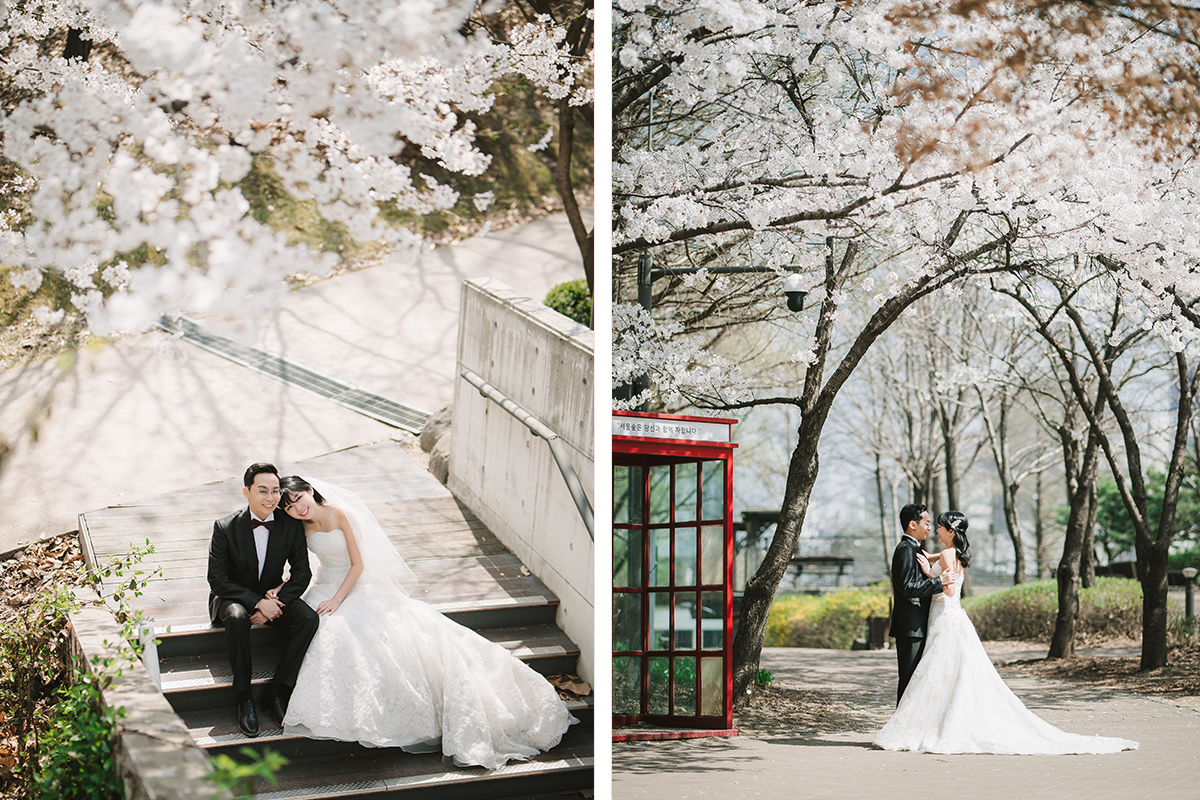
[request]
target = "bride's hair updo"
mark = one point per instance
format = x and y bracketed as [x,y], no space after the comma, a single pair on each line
[293,485]
[957,521]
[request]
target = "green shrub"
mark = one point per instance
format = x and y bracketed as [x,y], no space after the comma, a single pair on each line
[239,776]
[54,718]
[832,620]
[1111,609]
[571,299]
[35,663]
[76,758]
[783,610]
[1185,558]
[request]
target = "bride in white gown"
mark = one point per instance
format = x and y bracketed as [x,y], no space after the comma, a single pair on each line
[387,670]
[956,702]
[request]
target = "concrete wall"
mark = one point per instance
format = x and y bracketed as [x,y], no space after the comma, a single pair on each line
[542,361]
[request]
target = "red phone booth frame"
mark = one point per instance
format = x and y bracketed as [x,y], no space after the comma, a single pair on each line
[649,440]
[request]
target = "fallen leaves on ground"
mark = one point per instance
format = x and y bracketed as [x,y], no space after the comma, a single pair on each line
[1180,678]
[570,687]
[777,710]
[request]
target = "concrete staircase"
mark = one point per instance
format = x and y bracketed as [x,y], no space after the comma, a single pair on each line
[463,571]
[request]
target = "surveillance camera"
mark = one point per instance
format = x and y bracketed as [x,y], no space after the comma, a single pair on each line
[793,287]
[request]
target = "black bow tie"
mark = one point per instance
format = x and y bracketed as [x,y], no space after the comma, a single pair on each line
[269,524]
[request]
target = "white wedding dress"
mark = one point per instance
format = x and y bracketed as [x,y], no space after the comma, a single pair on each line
[956,702]
[387,670]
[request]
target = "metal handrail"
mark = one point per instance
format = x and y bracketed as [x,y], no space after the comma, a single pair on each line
[574,486]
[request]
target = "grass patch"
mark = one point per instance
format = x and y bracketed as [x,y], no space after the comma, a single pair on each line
[1112,609]
[271,204]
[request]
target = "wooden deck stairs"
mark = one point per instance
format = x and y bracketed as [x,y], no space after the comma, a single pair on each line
[464,571]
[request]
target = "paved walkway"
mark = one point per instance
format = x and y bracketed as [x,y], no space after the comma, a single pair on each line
[846,765]
[147,415]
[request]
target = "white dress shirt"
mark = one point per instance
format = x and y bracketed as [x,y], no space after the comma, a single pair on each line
[261,534]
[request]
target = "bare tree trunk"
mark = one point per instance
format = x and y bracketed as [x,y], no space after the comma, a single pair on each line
[1013,522]
[1041,546]
[760,589]
[1152,553]
[562,178]
[950,449]
[997,433]
[1153,576]
[1062,643]
[579,35]
[1087,566]
[883,516]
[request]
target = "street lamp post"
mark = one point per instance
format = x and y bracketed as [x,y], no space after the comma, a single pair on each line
[1189,590]
[647,274]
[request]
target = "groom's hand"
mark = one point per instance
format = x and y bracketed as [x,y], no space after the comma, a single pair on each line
[270,608]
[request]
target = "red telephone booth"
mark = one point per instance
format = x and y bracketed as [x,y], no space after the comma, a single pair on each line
[672,551]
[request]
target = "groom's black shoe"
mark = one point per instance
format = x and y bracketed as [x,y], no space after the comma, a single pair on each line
[278,708]
[247,718]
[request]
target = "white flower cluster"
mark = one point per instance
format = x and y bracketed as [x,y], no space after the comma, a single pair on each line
[804,121]
[140,162]
[680,369]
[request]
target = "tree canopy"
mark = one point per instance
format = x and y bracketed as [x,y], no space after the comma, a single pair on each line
[137,136]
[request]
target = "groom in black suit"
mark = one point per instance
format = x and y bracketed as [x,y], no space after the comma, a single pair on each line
[912,591]
[245,560]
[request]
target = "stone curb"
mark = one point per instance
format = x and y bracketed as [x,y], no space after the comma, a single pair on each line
[156,756]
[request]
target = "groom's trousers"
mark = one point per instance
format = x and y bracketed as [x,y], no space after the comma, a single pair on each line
[299,624]
[908,655]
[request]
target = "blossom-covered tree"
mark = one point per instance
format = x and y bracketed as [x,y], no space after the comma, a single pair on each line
[132,132]
[1102,342]
[814,134]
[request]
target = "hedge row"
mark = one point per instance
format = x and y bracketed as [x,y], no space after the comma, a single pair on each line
[1110,610]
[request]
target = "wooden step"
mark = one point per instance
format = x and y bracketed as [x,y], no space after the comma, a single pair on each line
[214,727]
[194,635]
[203,678]
[370,772]
[477,591]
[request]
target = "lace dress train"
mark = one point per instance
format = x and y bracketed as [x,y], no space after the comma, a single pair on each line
[387,670]
[956,702]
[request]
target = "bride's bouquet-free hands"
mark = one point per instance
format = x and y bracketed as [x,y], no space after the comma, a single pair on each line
[328,606]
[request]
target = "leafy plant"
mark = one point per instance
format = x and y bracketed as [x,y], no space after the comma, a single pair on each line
[124,590]
[764,677]
[571,299]
[238,776]
[33,654]
[76,758]
[63,733]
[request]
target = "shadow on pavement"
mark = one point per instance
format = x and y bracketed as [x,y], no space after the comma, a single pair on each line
[693,756]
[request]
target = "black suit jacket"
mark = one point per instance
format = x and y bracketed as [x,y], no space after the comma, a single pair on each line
[233,562]
[912,591]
